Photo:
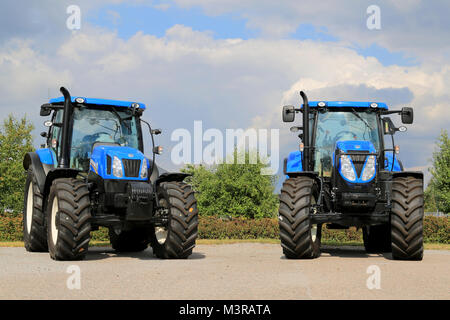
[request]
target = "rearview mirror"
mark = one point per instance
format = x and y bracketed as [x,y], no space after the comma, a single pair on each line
[407,115]
[288,114]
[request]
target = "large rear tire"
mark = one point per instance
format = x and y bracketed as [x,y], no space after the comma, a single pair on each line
[68,215]
[407,218]
[130,241]
[177,239]
[377,239]
[34,224]
[299,238]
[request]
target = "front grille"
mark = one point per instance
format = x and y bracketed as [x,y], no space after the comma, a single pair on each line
[131,167]
[358,162]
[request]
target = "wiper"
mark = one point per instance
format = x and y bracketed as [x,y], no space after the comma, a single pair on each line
[363,120]
[122,122]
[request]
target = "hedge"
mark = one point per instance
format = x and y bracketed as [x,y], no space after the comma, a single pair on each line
[436,229]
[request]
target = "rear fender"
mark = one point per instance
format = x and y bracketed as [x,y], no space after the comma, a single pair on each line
[32,160]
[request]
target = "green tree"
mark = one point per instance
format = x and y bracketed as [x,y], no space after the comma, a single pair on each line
[15,141]
[437,194]
[236,190]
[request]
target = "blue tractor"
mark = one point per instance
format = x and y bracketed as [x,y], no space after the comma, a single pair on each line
[343,175]
[92,172]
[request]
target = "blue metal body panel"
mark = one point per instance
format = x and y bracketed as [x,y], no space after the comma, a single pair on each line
[388,163]
[343,104]
[47,156]
[355,145]
[98,160]
[294,162]
[104,102]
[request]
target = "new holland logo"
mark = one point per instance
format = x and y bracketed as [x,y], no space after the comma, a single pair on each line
[357,146]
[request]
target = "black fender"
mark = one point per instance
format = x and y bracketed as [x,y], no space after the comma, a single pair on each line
[311,174]
[32,160]
[56,173]
[171,176]
[415,174]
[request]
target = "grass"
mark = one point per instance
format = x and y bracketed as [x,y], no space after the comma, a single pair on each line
[428,246]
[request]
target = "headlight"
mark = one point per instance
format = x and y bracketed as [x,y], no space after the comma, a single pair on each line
[117,167]
[347,168]
[369,169]
[144,169]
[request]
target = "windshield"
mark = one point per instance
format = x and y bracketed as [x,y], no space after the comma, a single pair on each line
[112,126]
[336,126]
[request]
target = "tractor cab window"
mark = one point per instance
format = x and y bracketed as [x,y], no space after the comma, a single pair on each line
[334,126]
[112,126]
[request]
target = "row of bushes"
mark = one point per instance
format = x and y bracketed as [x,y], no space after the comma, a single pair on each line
[436,229]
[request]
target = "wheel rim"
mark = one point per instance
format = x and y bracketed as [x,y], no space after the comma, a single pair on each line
[162,232]
[313,226]
[55,209]
[30,206]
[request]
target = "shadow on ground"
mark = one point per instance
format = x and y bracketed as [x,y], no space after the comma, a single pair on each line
[350,252]
[100,253]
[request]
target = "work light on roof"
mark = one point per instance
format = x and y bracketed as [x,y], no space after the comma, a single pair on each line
[374,105]
[79,100]
[321,104]
[135,105]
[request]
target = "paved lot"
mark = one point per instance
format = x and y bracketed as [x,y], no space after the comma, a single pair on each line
[231,271]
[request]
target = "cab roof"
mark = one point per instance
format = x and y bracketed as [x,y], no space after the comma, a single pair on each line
[354,104]
[103,102]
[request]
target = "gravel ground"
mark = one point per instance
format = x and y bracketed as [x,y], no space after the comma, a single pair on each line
[229,271]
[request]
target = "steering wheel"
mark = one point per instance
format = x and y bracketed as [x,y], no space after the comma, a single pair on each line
[338,136]
[97,135]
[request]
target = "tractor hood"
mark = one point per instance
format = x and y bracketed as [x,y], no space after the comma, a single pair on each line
[356,160]
[132,163]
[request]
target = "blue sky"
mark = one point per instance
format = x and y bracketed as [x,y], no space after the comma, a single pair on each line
[128,19]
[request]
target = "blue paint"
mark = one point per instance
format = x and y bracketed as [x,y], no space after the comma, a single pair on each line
[344,104]
[388,163]
[47,156]
[99,164]
[294,162]
[356,145]
[104,102]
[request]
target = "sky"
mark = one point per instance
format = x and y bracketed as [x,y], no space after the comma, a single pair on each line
[231,63]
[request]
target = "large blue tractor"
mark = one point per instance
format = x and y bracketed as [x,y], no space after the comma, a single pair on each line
[92,172]
[343,175]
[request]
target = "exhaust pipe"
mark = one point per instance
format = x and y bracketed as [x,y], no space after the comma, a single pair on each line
[64,160]
[306,141]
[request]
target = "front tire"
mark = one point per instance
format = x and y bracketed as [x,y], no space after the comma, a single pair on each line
[407,218]
[177,239]
[68,215]
[299,238]
[34,224]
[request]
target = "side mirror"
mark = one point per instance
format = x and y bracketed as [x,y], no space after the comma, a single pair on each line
[45,110]
[288,114]
[407,115]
